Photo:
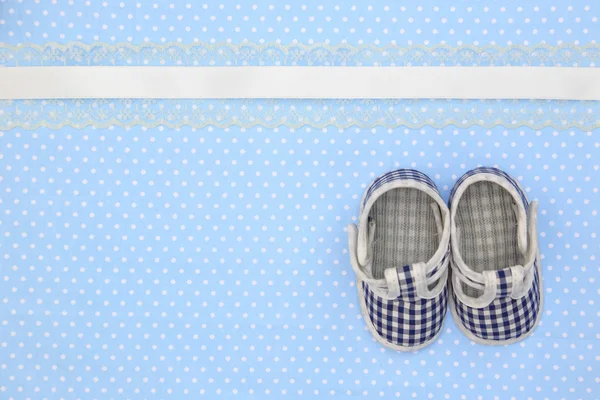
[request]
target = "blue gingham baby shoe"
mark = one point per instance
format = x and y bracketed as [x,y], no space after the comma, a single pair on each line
[400,253]
[496,273]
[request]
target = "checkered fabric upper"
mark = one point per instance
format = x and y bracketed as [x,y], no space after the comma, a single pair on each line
[488,170]
[406,323]
[504,318]
[505,283]
[399,175]
[406,280]
[407,320]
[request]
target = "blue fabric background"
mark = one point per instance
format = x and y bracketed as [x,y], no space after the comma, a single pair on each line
[312,21]
[183,263]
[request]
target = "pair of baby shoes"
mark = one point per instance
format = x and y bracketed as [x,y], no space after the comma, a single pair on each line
[413,254]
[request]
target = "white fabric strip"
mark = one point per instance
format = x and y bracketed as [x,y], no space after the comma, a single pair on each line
[301,82]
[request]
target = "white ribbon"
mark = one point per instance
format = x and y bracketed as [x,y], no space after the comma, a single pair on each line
[65,82]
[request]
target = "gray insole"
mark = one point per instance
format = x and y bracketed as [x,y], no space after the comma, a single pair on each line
[487,226]
[405,229]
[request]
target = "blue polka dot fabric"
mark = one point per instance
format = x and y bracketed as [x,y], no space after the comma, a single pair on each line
[377,22]
[182,253]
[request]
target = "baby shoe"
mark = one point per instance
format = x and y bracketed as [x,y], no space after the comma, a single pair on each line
[496,273]
[400,253]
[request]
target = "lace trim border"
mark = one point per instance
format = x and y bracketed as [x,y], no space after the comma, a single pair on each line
[150,113]
[320,54]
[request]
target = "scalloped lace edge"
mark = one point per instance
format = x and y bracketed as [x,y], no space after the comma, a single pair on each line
[247,53]
[294,114]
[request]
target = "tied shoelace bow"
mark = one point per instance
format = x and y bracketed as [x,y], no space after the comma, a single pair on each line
[422,274]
